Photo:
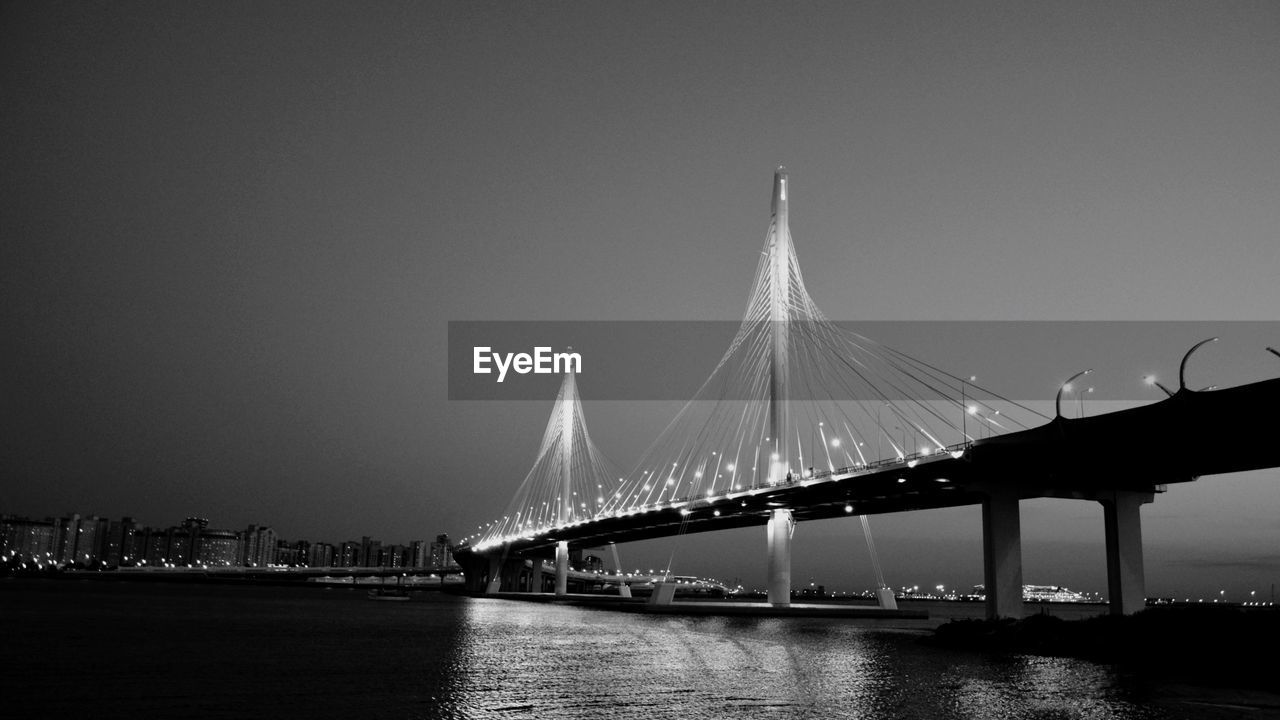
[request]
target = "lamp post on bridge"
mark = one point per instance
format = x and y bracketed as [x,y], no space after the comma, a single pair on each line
[1080,399]
[1066,387]
[1182,368]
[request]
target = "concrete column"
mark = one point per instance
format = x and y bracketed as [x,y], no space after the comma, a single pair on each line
[562,568]
[624,590]
[1126,584]
[781,525]
[1002,555]
[664,593]
[535,576]
[495,576]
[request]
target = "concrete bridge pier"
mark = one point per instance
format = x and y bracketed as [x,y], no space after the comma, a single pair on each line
[1126,583]
[1002,555]
[535,576]
[781,527]
[624,590]
[562,568]
[495,575]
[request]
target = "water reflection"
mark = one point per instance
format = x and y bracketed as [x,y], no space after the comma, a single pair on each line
[546,660]
[303,653]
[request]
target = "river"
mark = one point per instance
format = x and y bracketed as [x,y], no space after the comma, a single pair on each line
[130,650]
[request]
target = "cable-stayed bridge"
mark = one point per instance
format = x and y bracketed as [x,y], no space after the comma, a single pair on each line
[803,420]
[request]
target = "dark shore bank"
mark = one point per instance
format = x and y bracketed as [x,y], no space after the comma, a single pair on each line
[1209,646]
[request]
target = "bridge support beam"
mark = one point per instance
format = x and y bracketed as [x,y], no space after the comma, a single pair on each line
[1002,555]
[781,526]
[1126,583]
[562,568]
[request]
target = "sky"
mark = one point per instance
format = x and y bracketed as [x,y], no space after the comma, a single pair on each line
[234,234]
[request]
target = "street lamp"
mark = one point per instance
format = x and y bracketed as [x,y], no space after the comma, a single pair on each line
[1066,387]
[1152,381]
[1182,369]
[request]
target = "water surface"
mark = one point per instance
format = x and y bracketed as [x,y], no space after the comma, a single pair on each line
[139,651]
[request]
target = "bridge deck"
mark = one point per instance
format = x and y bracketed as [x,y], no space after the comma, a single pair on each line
[1174,440]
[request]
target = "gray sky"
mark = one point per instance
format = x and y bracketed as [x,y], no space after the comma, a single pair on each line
[234,234]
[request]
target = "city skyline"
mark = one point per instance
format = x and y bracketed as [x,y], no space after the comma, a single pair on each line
[94,542]
[256,318]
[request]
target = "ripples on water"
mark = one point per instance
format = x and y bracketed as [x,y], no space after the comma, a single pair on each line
[592,663]
[240,653]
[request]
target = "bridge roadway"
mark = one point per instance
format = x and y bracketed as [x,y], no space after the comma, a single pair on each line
[1119,459]
[1140,449]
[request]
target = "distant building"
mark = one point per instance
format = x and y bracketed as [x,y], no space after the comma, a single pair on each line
[370,552]
[156,552]
[441,553]
[350,556]
[286,554]
[418,554]
[302,554]
[28,540]
[182,541]
[100,536]
[66,533]
[138,546]
[119,542]
[9,532]
[258,547]
[219,548]
[76,539]
[393,556]
[321,555]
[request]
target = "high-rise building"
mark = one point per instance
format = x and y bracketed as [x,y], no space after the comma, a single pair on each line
[181,541]
[350,556]
[118,548]
[28,540]
[259,547]
[66,533]
[393,556]
[441,553]
[286,554]
[138,545]
[87,544]
[370,552]
[321,555]
[10,532]
[185,544]
[156,553]
[418,550]
[302,553]
[218,548]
